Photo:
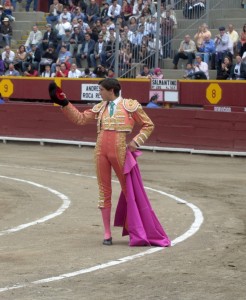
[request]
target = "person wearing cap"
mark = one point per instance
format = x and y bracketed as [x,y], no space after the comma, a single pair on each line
[6,31]
[116,117]
[35,5]
[55,10]
[34,37]
[2,14]
[222,47]
[62,26]
[50,37]
[158,74]
[8,9]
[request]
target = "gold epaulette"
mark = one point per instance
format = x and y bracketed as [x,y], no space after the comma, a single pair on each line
[96,108]
[130,105]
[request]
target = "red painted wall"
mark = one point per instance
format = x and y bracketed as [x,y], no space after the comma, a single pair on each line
[196,129]
[192,93]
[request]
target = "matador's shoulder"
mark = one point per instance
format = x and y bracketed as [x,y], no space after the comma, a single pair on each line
[96,108]
[131,105]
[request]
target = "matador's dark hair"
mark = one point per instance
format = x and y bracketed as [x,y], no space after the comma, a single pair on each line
[111,83]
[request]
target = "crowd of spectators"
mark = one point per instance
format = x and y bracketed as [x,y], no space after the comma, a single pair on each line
[79,40]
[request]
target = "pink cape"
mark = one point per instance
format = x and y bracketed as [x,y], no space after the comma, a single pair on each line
[135,213]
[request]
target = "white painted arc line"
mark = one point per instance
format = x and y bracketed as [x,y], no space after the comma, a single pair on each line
[191,231]
[66,203]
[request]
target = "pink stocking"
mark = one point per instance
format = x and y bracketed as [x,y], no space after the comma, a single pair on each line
[106,212]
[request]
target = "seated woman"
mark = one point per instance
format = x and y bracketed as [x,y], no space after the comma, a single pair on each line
[224,71]
[20,58]
[30,71]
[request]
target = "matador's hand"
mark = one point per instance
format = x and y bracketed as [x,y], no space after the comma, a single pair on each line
[132,146]
[57,95]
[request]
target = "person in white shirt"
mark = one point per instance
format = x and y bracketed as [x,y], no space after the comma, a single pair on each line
[8,57]
[62,26]
[114,10]
[65,13]
[74,72]
[200,69]
[34,38]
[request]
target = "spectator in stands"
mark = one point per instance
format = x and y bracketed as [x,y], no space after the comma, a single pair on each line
[100,71]
[8,10]
[11,71]
[2,15]
[33,57]
[83,26]
[34,37]
[222,46]
[125,58]
[62,26]
[153,102]
[207,50]
[8,57]
[2,67]
[137,8]
[49,38]
[86,50]
[199,37]
[114,10]
[152,7]
[111,73]
[65,13]
[133,25]
[110,51]
[35,5]
[99,52]
[200,69]
[47,71]
[234,36]
[1,99]
[87,73]
[137,40]
[78,14]
[54,12]
[238,70]
[157,74]
[30,71]
[74,72]
[167,30]
[144,55]
[189,71]
[76,41]
[126,10]
[65,40]
[186,50]
[64,56]
[104,12]
[61,70]
[6,31]
[104,32]
[242,41]
[146,73]
[92,12]
[224,71]
[20,58]
[48,57]
[152,48]
[168,13]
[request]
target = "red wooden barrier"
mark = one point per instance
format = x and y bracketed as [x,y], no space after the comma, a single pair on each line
[196,129]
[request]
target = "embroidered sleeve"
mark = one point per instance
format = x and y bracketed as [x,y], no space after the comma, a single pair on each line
[77,117]
[146,124]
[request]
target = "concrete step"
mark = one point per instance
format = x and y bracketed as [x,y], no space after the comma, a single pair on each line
[178,74]
[237,22]
[30,16]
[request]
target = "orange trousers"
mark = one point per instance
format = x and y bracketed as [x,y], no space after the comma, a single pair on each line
[110,152]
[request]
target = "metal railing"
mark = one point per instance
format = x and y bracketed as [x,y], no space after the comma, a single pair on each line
[213,8]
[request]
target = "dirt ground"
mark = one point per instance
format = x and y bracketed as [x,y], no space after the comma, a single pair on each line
[38,181]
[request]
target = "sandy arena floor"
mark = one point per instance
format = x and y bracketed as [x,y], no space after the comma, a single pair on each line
[51,230]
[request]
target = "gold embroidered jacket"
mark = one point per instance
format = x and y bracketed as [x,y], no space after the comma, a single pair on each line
[127,113]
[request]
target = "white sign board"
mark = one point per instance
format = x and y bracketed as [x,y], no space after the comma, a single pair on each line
[164,84]
[90,92]
[171,96]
